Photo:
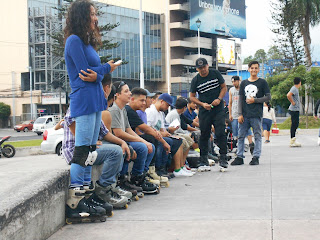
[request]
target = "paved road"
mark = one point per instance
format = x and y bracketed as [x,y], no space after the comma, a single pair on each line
[277,200]
[18,136]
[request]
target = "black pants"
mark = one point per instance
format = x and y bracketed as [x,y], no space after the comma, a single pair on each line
[294,122]
[215,117]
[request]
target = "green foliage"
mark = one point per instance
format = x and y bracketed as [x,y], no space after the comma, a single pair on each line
[274,53]
[260,55]
[28,143]
[5,110]
[312,123]
[247,60]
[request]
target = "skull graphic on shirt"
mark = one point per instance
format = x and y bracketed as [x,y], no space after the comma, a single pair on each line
[251,91]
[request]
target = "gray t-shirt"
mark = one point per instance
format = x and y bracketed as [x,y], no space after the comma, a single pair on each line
[296,99]
[235,102]
[119,117]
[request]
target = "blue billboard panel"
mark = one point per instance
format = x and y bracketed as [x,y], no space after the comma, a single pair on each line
[222,17]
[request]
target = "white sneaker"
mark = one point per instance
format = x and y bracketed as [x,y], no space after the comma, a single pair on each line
[182,173]
[186,170]
[204,168]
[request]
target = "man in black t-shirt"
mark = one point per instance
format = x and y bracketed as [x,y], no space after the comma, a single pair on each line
[210,86]
[253,92]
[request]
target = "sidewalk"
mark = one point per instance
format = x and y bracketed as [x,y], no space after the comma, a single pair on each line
[277,200]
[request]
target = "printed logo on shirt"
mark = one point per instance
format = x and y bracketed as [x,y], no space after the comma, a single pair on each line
[211,84]
[158,125]
[251,91]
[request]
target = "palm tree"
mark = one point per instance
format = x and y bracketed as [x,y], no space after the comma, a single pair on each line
[309,15]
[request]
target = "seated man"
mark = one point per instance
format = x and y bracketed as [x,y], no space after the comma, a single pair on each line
[156,120]
[121,128]
[138,102]
[110,156]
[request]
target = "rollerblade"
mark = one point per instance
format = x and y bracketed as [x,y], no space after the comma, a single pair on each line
[251,147]
[147,187]
[294,143]
[136,191]
[80,210]
[150,179]
[223,163]
[164,181]
[122,192]
[95,200]
[204,164]
[237,161]
[162,171]
[254,161]
[107,194]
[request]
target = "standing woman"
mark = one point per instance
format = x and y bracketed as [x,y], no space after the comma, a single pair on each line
[268,117]
[87,101]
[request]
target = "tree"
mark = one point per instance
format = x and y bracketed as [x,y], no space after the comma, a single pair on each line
[274,53]
[308,14]
[260,56]
[248,59]
[288,38]
[5,111]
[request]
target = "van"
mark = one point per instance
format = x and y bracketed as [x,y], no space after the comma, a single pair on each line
[45,122]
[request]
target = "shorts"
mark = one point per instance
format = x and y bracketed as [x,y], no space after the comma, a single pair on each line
[266,124]
[187,141]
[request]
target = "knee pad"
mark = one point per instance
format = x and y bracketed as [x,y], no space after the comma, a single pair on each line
[80,155]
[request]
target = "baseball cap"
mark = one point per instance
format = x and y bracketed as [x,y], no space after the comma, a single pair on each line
[149,94]
[167,98]
[200,62]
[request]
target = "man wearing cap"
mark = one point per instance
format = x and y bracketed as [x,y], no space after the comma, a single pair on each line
[211,87]
[156,120]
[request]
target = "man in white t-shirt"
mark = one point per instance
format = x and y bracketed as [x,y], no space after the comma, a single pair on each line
[155,118]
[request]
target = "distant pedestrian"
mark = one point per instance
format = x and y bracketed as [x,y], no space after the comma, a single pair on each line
[316,111]
[268,117]
[294,110]
[253,92]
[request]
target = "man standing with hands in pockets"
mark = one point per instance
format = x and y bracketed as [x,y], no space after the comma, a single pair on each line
[211,87]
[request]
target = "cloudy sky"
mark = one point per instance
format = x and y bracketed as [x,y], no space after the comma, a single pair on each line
[259,34]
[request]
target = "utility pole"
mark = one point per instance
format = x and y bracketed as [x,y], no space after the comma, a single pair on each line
[141,47]
[31,107]
[13,76]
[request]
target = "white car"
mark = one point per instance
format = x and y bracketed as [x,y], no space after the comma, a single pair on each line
[52,141]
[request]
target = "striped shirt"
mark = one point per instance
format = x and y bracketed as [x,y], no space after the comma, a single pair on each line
[69,140]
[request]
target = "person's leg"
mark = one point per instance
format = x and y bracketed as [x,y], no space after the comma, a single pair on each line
[205,127]
[149,159]
[155,142]
[293,124]
[87,176]
[256,126]
[111,156]
[142,153]
[220,132]
[243,130]
[235,128]
[76,175]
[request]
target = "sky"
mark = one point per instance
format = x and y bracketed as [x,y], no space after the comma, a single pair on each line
[259,35]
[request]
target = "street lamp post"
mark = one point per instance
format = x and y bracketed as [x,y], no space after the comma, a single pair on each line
[31,108]
[141,47]
[198,22]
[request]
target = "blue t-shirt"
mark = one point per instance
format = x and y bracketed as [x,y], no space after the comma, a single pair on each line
[143,116]
[189,115]
[85,97]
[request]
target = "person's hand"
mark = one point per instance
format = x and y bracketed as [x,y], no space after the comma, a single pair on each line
[293,103]
[173,129]
[149,146]
[134,155]
[165,134]
[250,100]
[99,143]
[230,117]
[216,102]
[167,148]
[90,76]
[240,119]
[113,66]
[158,135]
[126,150]
[206,106]
[275,125]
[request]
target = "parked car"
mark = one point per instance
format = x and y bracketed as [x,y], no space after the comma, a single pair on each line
[25,126]
[45,122]
[52,141]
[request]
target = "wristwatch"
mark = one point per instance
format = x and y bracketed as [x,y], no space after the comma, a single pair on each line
[220,99]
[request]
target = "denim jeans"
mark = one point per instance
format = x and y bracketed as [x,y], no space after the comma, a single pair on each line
[87,129]
[110,155]
[161,155]
[255,123]
[142,162]
[235,128]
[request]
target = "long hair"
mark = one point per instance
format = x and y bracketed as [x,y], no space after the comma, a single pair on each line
[269,106]
[78,23]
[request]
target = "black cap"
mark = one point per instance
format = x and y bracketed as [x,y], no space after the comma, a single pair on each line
[201,62]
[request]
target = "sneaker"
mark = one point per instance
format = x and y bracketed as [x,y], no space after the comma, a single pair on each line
[267,141]
[182,173]
[254,161]
[223,162]
[237,161]
[294,143]
[186,170]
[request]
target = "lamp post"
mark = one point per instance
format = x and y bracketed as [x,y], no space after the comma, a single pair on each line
[31,108]
[141,47]
[198,22]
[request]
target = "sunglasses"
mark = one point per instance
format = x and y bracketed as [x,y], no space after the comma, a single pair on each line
[122,83]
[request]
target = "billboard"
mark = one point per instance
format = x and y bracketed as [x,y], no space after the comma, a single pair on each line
[226,51]
[222,17]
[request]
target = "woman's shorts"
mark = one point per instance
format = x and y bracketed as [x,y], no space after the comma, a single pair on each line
[266,124]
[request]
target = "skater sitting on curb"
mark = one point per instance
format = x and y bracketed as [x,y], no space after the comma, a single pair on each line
[121,128]
[110,156]
[138,102]
[268,117]
[156,120]
[294,110]
[253,92]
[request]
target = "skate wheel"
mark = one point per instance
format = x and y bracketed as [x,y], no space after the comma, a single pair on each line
[125,206]
[222,170]
[103,219]
[136,198]
[158,190]
[111,214]
[68,221]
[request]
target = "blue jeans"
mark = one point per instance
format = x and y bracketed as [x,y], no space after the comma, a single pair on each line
[255,123]
[87,129]
[161,155]
[110,155]
[235,128]
[142,162]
